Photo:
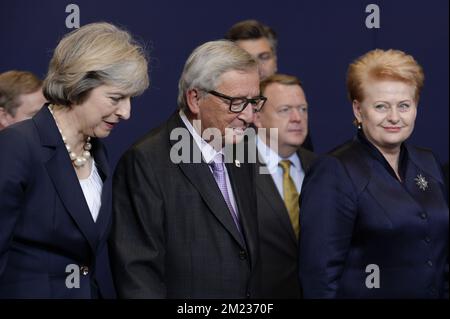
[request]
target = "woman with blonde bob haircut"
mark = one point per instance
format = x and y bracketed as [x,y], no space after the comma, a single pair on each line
[374,217]
[55,208]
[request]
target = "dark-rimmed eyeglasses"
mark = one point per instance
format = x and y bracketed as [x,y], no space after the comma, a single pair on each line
[238,104]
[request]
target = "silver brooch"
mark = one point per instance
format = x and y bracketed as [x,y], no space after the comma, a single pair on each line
[421,182]
[237,163]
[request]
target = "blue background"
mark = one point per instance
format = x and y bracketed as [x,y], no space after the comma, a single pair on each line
[317,41]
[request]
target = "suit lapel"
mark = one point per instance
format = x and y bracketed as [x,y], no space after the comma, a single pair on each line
[202,179]
[399,201]
[424,197]
[104,217]
[306,158]
[247,212]
[270,192]
[63,176]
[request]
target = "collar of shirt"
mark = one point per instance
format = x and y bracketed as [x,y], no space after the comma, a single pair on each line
[208,152]
[403,160]
[271,158]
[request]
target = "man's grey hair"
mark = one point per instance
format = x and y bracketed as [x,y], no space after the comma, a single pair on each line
[207,63]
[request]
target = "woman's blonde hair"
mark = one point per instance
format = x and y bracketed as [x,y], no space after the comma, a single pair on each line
[95,54]
[383,65]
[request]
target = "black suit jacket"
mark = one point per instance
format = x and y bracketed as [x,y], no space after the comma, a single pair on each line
[445,168]
[279,251]
[45,223]
[173,235]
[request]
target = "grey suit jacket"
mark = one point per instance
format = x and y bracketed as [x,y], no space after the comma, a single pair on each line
[279,247]
[173,235]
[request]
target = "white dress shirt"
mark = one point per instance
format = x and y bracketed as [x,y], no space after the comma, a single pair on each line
[208,154]
[272,159]
[92,190]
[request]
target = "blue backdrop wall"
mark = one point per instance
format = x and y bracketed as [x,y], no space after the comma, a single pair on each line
[317,41]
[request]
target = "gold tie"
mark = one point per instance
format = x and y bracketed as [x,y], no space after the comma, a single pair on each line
[290,196]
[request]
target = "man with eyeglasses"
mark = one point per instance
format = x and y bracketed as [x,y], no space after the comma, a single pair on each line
[286,161]
[185,214]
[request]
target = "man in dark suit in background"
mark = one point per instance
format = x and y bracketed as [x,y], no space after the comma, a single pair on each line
[279,180]
[184,222]
[261,42]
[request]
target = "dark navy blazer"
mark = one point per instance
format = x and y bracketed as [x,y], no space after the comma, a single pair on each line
[354,213]
[45,223]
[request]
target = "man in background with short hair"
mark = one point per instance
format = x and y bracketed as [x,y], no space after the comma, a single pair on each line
[21,97]
[261,42]
[277,193]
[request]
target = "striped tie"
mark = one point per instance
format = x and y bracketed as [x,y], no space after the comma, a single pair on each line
[218,170]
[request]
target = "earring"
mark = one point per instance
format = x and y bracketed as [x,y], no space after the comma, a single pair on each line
[359,126]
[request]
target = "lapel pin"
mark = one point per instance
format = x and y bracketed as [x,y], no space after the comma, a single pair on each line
[237,163]
[421,182]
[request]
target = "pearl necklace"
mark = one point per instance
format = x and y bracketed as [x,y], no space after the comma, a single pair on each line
[77,160]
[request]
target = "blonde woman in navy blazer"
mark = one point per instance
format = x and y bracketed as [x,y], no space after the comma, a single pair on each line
[374,221]
[55,183]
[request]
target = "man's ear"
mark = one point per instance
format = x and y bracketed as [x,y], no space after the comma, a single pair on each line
[357,110]
[5,118]
[193,100]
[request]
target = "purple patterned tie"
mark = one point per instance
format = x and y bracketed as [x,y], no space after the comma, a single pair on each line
[218,170]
